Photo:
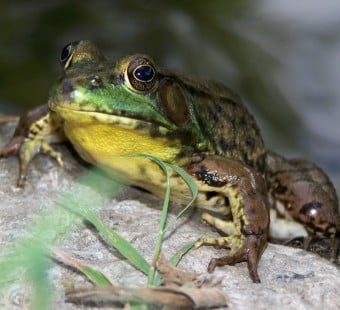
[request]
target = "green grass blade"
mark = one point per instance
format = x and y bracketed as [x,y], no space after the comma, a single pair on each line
[95,276]
[194,191]
[37,274]
[187,178]
[114,239]
[154,277]
[160,235]
[176,258]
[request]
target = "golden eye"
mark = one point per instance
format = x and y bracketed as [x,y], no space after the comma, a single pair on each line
[141,74]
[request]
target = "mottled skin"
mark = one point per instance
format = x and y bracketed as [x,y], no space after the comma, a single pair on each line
[308,194]
[110,110]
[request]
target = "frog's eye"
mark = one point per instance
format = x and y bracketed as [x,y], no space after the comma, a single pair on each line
[66,55]
[141,74]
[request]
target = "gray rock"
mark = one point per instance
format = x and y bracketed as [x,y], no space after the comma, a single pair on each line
[291,278]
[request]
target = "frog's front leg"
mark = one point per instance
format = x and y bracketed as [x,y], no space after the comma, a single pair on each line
[246,235]
[34,133]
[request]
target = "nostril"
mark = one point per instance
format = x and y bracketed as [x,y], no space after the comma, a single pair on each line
[95,80]
[67,87]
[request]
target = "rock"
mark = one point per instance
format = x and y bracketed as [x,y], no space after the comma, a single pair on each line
[291,278]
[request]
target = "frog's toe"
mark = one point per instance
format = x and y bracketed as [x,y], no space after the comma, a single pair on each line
[28,150]
[224,227]
[222,242]
[334,248]
[45,148]
[306,242]
[253,251]
[327,247]
[246,244]
[226,260]
[240,251]
[12,148]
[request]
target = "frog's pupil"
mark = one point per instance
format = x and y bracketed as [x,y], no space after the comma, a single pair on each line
[144,73]
[65,53]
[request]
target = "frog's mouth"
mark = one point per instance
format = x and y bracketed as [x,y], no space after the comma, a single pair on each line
[90,118]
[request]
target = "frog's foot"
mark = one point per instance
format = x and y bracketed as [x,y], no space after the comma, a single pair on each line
[27,152]
[26,149]
[334,248]
[34,133]
[246,245]
[332,242]
[306,242]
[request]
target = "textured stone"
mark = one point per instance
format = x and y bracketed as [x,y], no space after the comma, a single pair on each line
[291,278]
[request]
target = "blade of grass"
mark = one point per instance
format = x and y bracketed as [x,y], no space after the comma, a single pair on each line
[153,275]
[175,259]
[95,276]
[164,214]
[37,274]
[113,238]
[194,191]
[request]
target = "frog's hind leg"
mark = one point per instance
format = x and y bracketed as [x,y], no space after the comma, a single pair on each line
[307,195]
[246,235]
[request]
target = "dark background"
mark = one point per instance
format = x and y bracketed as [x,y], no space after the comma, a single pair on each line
[281,56]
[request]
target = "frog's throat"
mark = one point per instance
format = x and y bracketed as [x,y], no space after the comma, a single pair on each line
[99,137]
[91,117]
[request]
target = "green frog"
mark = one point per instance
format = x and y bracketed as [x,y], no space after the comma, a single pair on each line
[112,110]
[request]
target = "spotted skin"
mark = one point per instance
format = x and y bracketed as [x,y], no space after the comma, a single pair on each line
[308,195]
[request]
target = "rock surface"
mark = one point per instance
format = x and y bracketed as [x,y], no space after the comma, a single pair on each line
[291,278]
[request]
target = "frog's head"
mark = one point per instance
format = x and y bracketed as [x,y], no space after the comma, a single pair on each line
[132,92]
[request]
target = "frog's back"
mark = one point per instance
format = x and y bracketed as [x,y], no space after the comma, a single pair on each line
[226,122]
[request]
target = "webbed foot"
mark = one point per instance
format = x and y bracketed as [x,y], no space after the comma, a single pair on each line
[33,135]
[246,245]
[26,150]
[325,246]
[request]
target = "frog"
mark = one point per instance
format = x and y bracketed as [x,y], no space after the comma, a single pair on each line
[112,110]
